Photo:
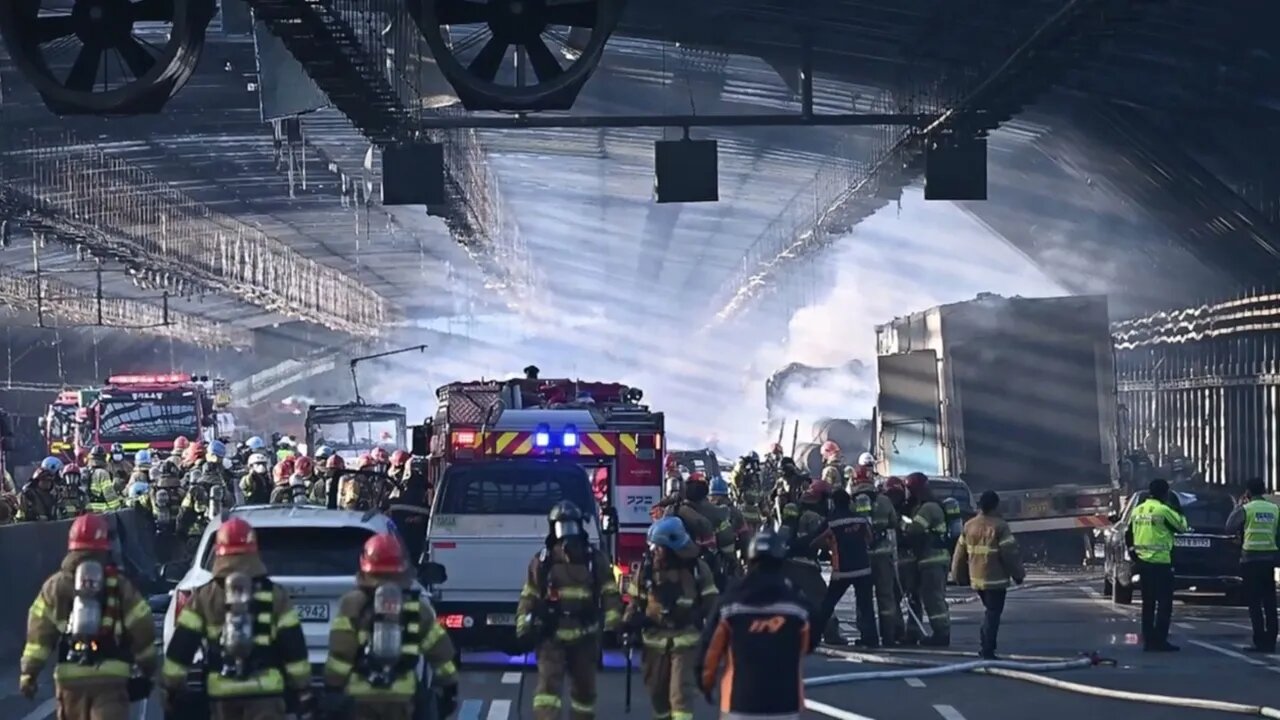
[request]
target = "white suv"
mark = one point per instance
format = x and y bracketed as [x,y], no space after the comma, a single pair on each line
[312,552]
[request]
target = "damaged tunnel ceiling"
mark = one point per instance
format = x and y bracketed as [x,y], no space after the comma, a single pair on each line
[1067,188]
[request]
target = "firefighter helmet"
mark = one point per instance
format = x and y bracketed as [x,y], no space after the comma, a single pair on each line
[917,484]
[98,453]
[380,456]
[697,477]
[323,452]
[399,458]
[256,444]
[893,482]
[70,470]
[818,490]
[670,533]
[235,537]
[565,520]
[830,449]
[382,555]
[365,461]
[767,545]
[217,451]
[304,466]
[719,488]
[142,458]
[258,461]
[866,459]
[90,532]
[335,462]
[51,464]
[283,470]
[180,444]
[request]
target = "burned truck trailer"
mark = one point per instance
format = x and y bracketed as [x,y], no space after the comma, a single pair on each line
[1015,395]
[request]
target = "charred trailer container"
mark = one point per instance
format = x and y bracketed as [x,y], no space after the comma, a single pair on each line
[1015,395]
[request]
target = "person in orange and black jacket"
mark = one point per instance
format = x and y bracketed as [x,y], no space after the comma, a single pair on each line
[754,642]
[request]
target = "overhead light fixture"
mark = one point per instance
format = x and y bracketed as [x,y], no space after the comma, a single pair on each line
[686,170]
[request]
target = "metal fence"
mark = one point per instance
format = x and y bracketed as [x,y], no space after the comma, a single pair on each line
[1205,381]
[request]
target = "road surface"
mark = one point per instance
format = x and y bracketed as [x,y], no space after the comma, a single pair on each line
[1054,615]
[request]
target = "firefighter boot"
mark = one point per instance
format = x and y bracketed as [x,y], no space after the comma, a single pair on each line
[100,703]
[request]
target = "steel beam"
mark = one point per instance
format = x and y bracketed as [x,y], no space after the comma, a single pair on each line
[518,122]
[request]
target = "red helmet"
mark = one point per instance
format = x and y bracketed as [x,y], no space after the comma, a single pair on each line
[90,532]
[194,452]
[380,456]
[399,458]
[180,443]
[235,537]
[335,462]
[70,469]
[818,490]
[830,449]
[304,466]
[283,470]
[383,555]
[671,462]
[696,476]
[893,482]
[917,483]
[365,461]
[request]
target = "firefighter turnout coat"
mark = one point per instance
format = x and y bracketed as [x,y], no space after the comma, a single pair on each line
[987,556]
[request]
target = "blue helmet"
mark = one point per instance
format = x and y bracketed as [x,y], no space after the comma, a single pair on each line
[255,443]
[217,450]
[323,452]
[142,458]
[139,488]
[51,464]
[719,487]
[669,533]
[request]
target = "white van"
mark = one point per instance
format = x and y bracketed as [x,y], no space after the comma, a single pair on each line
[488,522]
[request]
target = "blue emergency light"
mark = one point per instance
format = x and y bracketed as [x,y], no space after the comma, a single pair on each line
[570,437]
[542,436]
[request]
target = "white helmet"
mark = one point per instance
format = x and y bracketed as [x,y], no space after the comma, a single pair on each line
[259,459]
[866,460]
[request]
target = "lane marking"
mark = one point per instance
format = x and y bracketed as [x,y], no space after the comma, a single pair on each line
[510,678]
[1185,626]
[499,710]
[1228,653]
[948,712]
[1228,623]
[43,710]
[833,711]
[915,682]
[470,710]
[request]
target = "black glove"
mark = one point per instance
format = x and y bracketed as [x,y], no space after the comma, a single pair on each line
[447,702]
[139,688]
[710,698]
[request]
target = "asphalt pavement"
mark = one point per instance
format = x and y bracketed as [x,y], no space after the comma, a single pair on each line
[1055,614]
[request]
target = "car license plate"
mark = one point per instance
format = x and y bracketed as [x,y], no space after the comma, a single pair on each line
[1041,507]
[313,612]
[1193,542]
[501,619]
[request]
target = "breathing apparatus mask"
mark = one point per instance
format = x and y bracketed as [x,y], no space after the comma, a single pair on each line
[573,537]
[85,622]
[237,626]
[383,651]
[164,506]
[217,501]
[117,457]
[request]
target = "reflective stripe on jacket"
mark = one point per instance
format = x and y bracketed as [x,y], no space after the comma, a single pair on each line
[1261,521]
[1154,525]
[987,554]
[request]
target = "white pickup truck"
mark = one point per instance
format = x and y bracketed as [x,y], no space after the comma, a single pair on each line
[489,520]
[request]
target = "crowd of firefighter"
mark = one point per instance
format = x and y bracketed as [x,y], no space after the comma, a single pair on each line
[728,560]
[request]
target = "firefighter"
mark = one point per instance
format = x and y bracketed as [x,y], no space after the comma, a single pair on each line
[256,484]
[39,498]
[330,477]
[849,537]
[674,503]
[73,497]
[217,472]
[253,446]
[354,492]
[883,555]
[905,563]
[747,484]
[929,532]
[382,629]
[987,558]
[399,464]
[248,633]
[119,465]
[788,488]
[282,494]
[759,635]
[97,628]
[568,591]
[194,513]
[672,594]
[809,539]
[381,459]
[104,496]
[737,518]
[671,476]
[724,561]
[139,479]
[832,464]
[193,456]
[180,445]
[165,503]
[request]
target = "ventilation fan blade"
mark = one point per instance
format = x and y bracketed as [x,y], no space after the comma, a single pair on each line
[489,60]
[577,13]
[543,61]
[153,11]
[136,56]
[85,69]
[460,12]
[52,27]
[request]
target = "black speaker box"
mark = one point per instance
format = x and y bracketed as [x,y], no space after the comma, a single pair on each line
[413,174]
[955,167]
[686,171]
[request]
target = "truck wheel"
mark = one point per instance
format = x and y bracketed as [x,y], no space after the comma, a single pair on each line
[1121,594]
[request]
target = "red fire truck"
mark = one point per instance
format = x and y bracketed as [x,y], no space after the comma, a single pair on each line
[599,426]
[141,411]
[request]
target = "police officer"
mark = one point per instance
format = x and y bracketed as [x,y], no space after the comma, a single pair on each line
[382,629]
[882,555]
[758,635]
[1258,519]
[568,590]
[742,529]
[248,632]
[104,496]
[849,536]
[929,531]
[98,629]
[1152,526]
[988,560]
[256,484]
[672,594]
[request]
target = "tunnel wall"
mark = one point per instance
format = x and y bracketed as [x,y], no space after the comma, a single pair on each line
[1205,380]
